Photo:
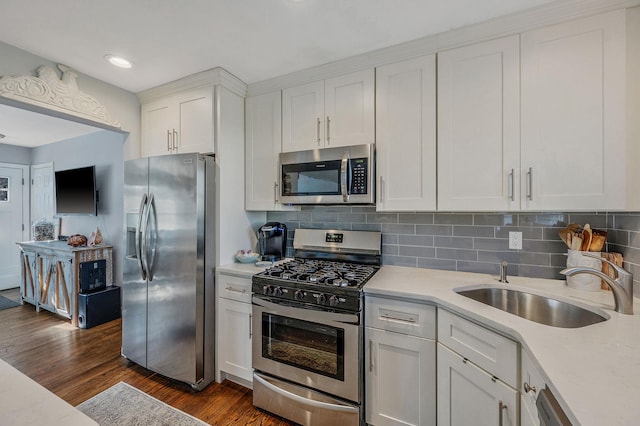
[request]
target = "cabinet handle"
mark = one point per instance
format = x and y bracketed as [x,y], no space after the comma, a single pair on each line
[513,185]
[530,184]
[381,190]
[169,140]
[389,317]
[328,130]
[275,191]
[318,131]
[370,355]
[529,389]
[175,139]
[250,326]
[501,407]
[243,291]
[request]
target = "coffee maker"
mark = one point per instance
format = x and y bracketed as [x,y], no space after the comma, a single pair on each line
[272,241]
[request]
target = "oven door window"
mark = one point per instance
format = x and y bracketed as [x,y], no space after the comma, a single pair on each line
[310,346]
[311,178]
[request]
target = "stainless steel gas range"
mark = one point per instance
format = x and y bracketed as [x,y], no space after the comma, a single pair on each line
[308,328]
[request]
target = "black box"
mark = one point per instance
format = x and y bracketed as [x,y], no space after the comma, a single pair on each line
[93,276]
[98,307]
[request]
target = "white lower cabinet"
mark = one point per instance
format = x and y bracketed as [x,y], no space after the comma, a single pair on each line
[477,374]
[468,395]
[400,367]
[234,329]
[531,383]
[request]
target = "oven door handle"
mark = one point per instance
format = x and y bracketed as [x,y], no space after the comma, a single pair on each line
[303,400]
[306,314]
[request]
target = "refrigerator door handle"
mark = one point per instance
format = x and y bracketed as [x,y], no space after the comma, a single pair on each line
[153,230]
[145,237]
[139,236]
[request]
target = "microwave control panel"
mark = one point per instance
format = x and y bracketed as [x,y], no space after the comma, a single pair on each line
[359,174]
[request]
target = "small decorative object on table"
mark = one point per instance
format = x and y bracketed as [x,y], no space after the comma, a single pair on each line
[77,240]
[247,256]
[43,230]
[95,238]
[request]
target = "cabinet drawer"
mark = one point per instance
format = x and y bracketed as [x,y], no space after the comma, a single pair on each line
[492,352]
[234,288]
[414,319]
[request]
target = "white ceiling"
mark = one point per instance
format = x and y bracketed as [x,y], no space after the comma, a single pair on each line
[253,39]
[30,129]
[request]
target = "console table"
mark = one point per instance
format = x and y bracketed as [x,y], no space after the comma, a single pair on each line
[51,271]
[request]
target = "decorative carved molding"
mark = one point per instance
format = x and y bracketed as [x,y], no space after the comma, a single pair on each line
[61,94]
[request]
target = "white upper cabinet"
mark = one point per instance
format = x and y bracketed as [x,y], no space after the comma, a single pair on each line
[263,144]
[573,115]
[335,112]
[178,123]
[406,135]
[479,126]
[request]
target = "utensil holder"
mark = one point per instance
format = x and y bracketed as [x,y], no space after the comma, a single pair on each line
[586,282]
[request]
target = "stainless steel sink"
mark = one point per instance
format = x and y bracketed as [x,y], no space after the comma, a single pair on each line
[533,307]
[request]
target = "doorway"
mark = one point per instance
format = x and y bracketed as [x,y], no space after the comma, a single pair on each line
[14,217]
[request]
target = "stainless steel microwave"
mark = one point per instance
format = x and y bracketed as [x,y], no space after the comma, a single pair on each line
[343,175]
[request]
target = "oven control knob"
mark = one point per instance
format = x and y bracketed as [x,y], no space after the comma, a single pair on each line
[277,291]
[334,300]
[299,295]
[320,298]
[266,289]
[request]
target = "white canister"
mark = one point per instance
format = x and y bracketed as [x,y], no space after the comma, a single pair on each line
[587,282]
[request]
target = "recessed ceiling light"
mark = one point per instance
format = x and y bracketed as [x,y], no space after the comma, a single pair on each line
[118,61]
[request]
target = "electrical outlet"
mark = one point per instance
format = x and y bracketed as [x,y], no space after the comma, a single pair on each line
[515,240]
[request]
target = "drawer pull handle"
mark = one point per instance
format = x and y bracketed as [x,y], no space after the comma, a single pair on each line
[243,291]
[501,407]
[529,389]
[370,355]
[389,317]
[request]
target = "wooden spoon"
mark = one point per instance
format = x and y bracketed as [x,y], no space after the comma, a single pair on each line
[587,236]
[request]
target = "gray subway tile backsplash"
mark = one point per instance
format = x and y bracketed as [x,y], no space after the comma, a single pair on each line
[475,242]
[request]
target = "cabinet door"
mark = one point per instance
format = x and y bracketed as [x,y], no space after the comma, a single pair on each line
[406,135]
[527,417]
[303,117]
[349,109]
[234,338]
[29,284]
[479,126]
[263,145]
[158,123]
[468,396]
[195,118]
[573,115]
[400,379]
[56,284]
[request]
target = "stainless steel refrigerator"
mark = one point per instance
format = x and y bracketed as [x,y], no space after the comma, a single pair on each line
[168,302]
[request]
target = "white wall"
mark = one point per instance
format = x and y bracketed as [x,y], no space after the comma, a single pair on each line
[105,149]
[15,154]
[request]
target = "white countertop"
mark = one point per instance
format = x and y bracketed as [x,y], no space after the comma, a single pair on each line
[593,371]
[245,269]
[25,402]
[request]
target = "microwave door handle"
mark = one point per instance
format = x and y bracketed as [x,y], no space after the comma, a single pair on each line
[343,177]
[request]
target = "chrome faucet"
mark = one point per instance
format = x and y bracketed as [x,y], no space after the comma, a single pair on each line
[621,286]
[503,272]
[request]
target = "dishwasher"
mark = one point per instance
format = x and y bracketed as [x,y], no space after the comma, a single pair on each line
[549,411]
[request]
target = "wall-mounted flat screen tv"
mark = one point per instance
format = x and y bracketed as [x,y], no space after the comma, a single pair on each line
[76,191]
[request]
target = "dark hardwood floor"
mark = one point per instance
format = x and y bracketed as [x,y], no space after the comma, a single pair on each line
[77,364]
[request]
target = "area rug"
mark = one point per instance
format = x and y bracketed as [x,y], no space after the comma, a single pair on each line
[7,303]
[122,404]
